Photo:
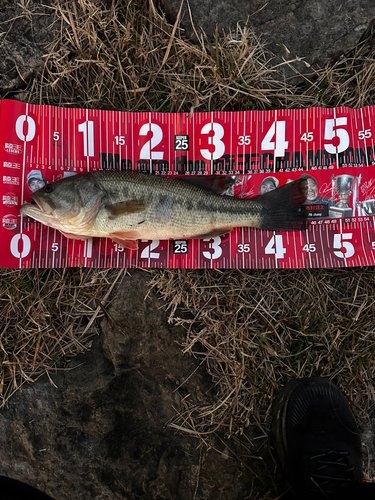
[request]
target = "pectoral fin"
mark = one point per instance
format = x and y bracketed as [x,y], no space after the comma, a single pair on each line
[90,212]
[126,208]
[127,239]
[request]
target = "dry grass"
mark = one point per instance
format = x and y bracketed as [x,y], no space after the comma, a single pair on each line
[47,316]
[126,56]
[255,329]
[258,329]
[112,57]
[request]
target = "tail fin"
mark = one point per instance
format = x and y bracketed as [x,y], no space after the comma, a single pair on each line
[282,208]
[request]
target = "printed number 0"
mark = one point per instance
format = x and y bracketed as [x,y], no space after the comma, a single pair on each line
[215,140]
[26,245]
[215,246]
[339,242]
[30,128]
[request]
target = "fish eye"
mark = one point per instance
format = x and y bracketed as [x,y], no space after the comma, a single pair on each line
[48,188]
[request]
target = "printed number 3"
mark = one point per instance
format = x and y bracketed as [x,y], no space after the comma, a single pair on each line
[215,140]
[339,243]
[215,246]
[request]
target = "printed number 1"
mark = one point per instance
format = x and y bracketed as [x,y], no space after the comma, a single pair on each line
[87,128]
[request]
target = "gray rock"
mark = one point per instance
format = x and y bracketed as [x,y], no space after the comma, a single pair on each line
[25,32]
[102,432]
[316,31]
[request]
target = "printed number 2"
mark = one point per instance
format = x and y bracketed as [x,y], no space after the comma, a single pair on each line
[147,252]
[275,246]
[339,243]
[157,137]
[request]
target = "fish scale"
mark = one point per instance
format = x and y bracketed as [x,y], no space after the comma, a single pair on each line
[186,209]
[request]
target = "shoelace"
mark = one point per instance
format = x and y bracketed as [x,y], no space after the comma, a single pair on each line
[329,472]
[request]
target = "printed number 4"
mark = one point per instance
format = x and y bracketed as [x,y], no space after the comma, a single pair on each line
[279,145]
[275,246]
[339,243]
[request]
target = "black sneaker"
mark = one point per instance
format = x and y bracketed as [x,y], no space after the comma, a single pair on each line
[316,439]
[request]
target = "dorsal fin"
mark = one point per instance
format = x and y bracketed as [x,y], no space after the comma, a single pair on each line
[213,183]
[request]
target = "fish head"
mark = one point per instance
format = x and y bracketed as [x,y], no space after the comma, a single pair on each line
[70,204]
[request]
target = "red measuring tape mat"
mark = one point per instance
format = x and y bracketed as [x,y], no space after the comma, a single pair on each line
[262,150]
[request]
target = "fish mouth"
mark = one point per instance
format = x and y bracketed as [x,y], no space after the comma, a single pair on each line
[37,210]
[43,206]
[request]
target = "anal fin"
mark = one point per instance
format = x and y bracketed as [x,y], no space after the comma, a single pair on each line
[72,236]
[213,233]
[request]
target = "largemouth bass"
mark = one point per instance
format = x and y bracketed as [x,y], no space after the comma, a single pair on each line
[127,206]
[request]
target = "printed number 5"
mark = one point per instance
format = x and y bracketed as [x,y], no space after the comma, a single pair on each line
[339,243]
[341,133]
